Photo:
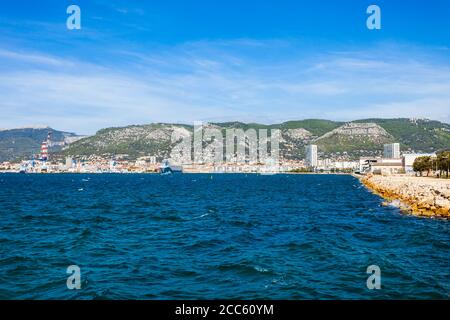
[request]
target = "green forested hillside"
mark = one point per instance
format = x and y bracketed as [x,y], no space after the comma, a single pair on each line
[16,144]
[356,138]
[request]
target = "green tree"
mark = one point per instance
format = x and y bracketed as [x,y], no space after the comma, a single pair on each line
[422,164]
[443,161]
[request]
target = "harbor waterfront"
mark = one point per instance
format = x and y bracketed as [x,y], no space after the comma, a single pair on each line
[230,236]
[422,196]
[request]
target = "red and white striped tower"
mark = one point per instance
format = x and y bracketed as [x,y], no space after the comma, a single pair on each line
[44,151]
[44,148]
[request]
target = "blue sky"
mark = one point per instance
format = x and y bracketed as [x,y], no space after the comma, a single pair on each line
[137,62]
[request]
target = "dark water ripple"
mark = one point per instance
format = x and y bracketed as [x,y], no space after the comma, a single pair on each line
[229,236]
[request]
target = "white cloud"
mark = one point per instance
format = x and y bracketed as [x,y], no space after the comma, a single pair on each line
[31,58]
[246,80]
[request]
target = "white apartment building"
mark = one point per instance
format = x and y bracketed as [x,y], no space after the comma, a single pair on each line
[408,160]
[311,155]
[391,151]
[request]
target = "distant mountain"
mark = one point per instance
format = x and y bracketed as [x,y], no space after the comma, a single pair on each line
[352,139]
[16,144]
[421,135]
[134,141]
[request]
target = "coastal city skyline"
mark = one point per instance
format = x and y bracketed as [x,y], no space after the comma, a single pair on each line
[195,152]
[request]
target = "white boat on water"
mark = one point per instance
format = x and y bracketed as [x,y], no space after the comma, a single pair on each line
[167,168]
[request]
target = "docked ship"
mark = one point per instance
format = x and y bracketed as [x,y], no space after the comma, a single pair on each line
[23,168]
[167,168]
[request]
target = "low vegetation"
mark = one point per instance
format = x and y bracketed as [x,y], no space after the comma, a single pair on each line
[440,165]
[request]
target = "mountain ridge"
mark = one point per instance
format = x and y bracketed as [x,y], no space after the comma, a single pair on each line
[334,138]
[363,137]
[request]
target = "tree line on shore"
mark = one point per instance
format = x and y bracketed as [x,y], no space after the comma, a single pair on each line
[439,164]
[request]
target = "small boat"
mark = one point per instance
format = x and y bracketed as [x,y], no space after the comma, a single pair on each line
[23,169]
[166,168]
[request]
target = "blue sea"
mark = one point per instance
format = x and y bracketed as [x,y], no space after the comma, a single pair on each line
[229,236]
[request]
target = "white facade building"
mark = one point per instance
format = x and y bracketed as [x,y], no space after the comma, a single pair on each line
[69,163]
[346,165]
[311,155]
[391,151]
[380,165]
[408,160]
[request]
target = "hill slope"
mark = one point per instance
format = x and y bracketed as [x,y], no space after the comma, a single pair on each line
[22,143]
[354,139]
[134,141]
[416,134]
[358,138]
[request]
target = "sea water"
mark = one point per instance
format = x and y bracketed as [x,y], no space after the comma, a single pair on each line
[235,236]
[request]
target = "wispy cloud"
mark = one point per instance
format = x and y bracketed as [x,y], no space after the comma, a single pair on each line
[247,80]
[137,11]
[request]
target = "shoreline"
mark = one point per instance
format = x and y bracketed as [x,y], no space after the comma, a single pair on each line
[185,172]
[419,196]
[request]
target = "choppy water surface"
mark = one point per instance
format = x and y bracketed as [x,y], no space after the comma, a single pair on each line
[220,236]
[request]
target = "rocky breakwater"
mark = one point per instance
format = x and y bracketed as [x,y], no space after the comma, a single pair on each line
[422,196]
